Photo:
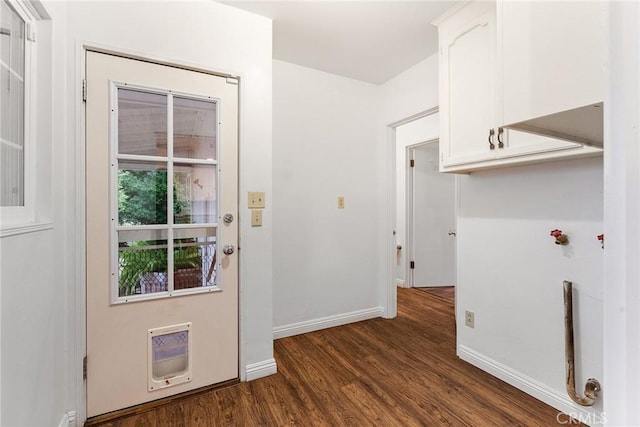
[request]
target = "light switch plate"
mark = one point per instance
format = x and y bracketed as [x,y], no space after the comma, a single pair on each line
[256,200]
[256,218]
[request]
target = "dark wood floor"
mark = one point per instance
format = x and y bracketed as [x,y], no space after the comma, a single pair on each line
[447,293]
[399,372]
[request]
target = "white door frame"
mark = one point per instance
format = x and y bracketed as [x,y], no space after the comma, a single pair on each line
[80,239]
[390,295]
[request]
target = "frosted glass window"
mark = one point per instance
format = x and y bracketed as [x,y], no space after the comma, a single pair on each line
[142,123]
[12,106]
[194,128]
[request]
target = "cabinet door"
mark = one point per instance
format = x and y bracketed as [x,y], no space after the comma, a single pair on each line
[551,56]
[467,98]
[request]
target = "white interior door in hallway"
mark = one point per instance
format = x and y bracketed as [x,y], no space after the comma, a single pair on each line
[432,217]
[162,272]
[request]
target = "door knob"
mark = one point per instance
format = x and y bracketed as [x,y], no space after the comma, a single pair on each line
[228,249]
[227,218]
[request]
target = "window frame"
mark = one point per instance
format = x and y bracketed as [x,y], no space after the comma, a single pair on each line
[22,219]
[171,160]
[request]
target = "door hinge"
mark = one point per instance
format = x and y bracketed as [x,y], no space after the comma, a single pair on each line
[84,90]
[412,264]
[84,368]
[412,163]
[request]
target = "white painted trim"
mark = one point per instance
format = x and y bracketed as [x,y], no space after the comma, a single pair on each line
[68,419]
[253,371]
[160,60]
[64,421]
[25,229]
[326,322]
[414,117]
[390,293]
[400,283]
[79,243]
[527,384]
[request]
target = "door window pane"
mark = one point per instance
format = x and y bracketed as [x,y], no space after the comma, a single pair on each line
[194,258]
[194,128]
[142,123]
[142,262]
[194,194]
[142,193]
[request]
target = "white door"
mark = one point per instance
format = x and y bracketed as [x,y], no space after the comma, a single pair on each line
[161,172]
[432,219]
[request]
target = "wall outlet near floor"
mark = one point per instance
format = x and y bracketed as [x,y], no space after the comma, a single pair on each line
[340,202]
[469,318]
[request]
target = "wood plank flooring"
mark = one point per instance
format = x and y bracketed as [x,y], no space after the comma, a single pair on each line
[380,372]
[447,293]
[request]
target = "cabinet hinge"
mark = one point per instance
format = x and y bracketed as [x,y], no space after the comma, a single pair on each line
[84,90]
[412,163]
[412,264]
[84,368]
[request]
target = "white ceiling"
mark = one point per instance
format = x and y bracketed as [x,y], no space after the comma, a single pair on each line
[371,41]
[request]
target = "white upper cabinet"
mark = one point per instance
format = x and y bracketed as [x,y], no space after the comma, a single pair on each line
[467,84]
[552,56]
[477,97]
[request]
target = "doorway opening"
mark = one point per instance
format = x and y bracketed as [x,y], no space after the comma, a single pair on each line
[423,204]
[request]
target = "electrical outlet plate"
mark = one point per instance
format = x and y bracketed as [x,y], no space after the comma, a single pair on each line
[256,200]
[469,318]
[256,218]
[340,202]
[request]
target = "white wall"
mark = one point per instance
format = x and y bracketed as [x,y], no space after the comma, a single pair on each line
[414,132]
[34,343]
[326,260]
[510,271]
[411,92]
[42,309]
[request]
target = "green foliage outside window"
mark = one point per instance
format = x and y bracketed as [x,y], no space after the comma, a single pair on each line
[142,200]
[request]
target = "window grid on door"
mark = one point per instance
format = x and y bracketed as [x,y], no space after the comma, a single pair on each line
[164,193]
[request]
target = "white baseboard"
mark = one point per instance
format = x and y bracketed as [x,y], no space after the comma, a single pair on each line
[326,322]
[68,419]
[551,397]
[262,369]
[400,283]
